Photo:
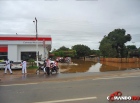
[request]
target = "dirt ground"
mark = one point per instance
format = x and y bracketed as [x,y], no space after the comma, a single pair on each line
[16,74]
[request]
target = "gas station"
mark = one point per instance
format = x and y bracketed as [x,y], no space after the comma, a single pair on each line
[24,47]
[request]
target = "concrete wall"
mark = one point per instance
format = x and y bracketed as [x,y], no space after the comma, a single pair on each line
[116,60]
[12,52]
[30,48]
[121,60]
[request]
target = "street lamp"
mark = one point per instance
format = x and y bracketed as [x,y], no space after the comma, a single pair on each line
[36,42]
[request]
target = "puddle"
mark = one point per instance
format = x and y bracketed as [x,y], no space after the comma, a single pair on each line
[89,66]
[95,68]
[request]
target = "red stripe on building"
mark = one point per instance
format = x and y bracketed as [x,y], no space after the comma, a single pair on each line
[26,38]
[3,49]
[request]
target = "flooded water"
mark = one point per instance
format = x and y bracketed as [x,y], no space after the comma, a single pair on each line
[89,66]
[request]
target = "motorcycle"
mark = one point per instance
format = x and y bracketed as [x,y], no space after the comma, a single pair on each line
[40,68]
[47,70]
[53,68]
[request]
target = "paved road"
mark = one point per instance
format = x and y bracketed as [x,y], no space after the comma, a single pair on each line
[91,90]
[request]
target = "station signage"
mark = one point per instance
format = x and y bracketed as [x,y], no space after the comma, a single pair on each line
[5,42]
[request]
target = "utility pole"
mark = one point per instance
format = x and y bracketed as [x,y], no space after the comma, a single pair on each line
[36,42]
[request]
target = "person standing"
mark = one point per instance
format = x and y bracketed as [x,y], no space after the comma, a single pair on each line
[24,70]
[44,69]
[56,66]
[7,67]
[48,66]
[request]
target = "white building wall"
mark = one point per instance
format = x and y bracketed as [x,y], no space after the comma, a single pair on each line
[12,52]
[30,48]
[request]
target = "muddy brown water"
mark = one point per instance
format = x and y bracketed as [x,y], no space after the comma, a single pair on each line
[90,66]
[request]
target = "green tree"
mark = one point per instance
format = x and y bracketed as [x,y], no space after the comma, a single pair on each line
[70,53]
[95,52]
[115,40]
[31,61]
[61,53]
[131,47]
[81,50]
[63,48]
[106,48]
[132,50]
[64,52]
[119,39]
[56,53]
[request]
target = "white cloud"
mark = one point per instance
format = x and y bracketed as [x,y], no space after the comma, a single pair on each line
[71,22]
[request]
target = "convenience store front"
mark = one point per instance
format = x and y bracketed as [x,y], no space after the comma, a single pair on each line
[24,47]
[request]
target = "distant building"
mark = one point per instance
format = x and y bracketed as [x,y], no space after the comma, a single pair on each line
[19,47]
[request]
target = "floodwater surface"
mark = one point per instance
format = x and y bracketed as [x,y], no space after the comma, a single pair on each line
[90,66]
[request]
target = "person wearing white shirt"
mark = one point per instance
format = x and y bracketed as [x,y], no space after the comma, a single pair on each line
[7,66]
[24,70]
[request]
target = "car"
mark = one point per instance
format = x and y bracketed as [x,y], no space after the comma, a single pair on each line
[16,65]
[2,65]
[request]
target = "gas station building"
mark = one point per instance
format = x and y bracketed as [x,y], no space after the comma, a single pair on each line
[24,47]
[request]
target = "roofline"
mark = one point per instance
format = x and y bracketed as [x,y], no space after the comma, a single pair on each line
[7,35]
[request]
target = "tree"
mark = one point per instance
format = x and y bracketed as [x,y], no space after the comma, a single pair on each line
[106,48]
[81,50]
[132,51]
[95,52]
[118,39]
[115,43]
[54,50]
[31,61]
[63,48]
[131,47]
[64,52]
[70,53]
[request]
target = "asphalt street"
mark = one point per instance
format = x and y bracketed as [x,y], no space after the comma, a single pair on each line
[90,90]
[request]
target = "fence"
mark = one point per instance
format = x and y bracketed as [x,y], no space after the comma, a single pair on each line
[116,60]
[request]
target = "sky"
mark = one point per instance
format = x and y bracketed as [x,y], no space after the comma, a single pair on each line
[71,22]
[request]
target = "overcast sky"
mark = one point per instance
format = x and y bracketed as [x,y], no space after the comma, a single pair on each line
[71,22]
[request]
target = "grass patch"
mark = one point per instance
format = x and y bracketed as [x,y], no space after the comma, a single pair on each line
[1,60]
[32,67]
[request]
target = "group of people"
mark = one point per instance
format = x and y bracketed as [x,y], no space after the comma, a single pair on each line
[63,60]
[8,66]
[48,64]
